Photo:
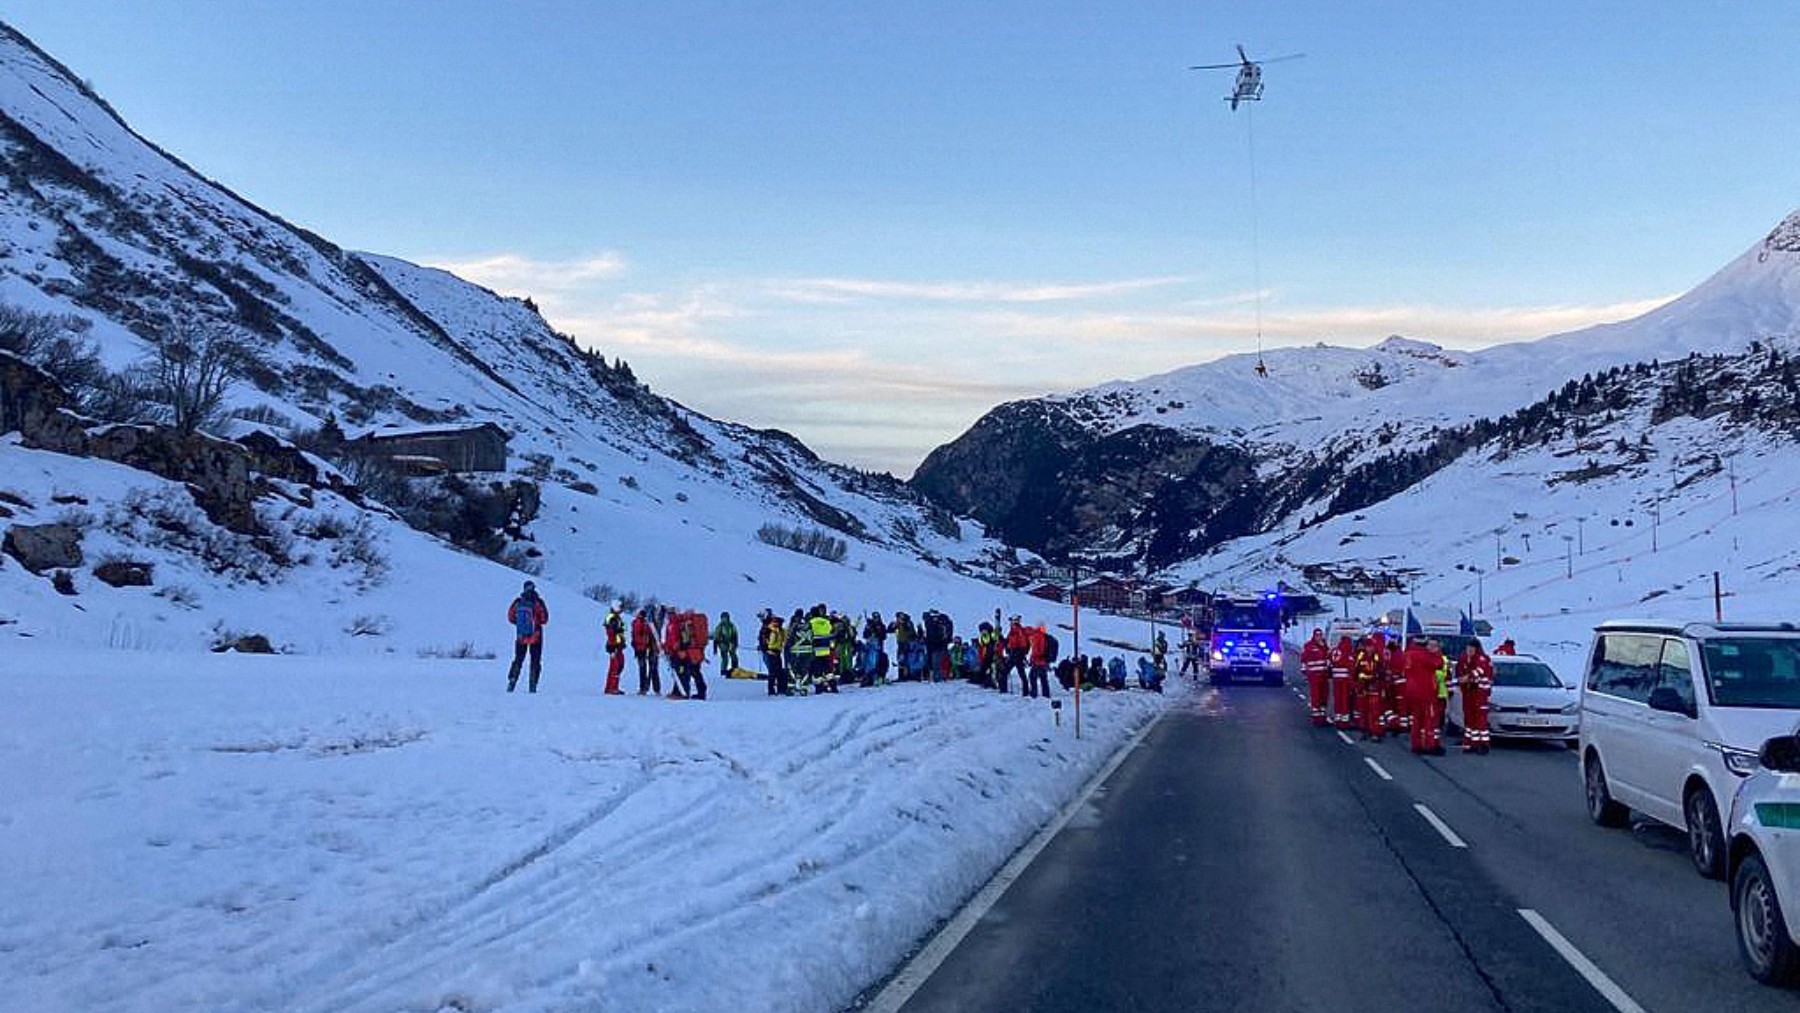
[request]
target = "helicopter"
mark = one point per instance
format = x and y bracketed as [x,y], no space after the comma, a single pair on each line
[1249,85]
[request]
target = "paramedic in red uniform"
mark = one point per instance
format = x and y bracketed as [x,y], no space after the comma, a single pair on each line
[1422,662]
[1475,677]
[1343,667]
[1315,664]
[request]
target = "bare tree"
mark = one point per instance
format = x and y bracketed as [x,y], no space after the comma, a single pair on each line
[58,345]
[188,373]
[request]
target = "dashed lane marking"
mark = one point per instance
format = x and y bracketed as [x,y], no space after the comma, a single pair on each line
[1348,741]
[1379,770]
[1441,827]
[1607,988]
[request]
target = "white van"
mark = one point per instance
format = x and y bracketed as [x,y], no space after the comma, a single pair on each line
[1673,715]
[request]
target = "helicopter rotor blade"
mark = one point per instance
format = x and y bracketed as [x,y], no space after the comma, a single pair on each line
[1241,54]
[1216,66]
[1278,59]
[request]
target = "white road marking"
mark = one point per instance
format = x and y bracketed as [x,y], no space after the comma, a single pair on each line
[920,968]
[1379,770]
[1442,827]
[1347,740]
[1579,961]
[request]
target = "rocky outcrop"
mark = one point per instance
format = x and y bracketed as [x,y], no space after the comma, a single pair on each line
[1045,481]
[123,573]
[43,547]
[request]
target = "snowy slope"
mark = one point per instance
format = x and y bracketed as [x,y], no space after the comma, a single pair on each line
[97,222]
[1621,513]
[1314,393]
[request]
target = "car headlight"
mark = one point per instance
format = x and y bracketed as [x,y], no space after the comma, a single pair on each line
[1275,659]
[1218,655]
[1742,762]
[1572,708]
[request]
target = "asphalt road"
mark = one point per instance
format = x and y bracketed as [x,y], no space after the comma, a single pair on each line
[1242,860]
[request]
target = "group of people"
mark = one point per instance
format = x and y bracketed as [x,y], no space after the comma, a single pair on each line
[1374,684]
[819,649]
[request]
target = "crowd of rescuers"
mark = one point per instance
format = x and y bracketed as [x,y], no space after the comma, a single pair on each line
[1374,685]
[820,650]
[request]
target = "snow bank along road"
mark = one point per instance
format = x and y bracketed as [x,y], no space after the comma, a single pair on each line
[243,833]
[1242,860]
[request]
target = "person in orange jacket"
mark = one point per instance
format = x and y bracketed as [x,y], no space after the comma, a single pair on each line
[1475,677]
[528,615]
[1018,647]
[615,649]
[1343,669]
[1315,664]
[1422,661]
[1037,646]
[1371,687]
[643,647]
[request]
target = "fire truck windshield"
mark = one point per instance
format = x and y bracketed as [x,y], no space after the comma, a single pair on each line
[1246,616]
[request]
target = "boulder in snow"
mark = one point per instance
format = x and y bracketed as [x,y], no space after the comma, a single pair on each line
[43,547]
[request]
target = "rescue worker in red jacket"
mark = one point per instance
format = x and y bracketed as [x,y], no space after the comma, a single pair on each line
[1422,662]
[1371,688]
[615,649]
[528,615]
[1399,722]
[1506,647]
[1315,664]
[643,647]
[1343,670]
[1475,678]
[1037,677]
[671,648]
[1018,647]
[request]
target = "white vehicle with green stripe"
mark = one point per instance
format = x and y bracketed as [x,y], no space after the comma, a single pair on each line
[1764,864]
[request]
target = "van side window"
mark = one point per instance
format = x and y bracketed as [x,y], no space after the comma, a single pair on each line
[1626,665]
[1677,672]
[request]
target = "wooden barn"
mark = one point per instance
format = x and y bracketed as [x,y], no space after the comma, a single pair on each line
[480,447]
[1108,594]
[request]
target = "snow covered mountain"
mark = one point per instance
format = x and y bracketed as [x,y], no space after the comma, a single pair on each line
[635,492]
[1169,468]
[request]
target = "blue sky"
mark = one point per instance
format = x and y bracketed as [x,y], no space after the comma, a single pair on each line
[868,222]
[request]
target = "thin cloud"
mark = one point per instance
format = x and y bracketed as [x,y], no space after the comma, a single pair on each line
[845,290]
[1451,325]
[516,274]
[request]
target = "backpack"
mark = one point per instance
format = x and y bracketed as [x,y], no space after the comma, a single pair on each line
[525,617]
[1050,648]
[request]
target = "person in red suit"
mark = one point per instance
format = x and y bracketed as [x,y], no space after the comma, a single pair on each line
[1343,669]
[1315,664]
[1475,677]
[1422,662]
[1399,722]
[615,649]
[1371,688]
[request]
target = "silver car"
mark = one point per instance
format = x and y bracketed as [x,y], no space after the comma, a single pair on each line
[1530,701]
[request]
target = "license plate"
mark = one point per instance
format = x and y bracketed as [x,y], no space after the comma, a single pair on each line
[1535,722]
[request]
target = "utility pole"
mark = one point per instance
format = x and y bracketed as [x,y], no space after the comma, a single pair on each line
[1075,605]
[1655,522]
[1718,600]
[1480,599]
[1569,554]
[1732,471]
[1497,563]
[1581,536]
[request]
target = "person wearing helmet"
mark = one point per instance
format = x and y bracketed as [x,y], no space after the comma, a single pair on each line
[528,615]
[615,648]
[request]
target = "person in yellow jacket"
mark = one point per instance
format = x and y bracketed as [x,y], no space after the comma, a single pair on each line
[1443,689]
[824,671]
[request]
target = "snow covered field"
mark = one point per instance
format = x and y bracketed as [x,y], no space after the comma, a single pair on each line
[231,832]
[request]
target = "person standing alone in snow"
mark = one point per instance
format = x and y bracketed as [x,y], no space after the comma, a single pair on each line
[615,649]
[528,615]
